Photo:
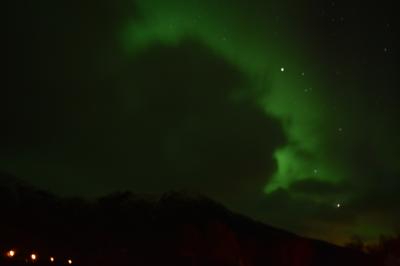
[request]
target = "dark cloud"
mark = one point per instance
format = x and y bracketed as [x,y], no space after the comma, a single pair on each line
[309,215]
[314,187]
[178,112]
[313,209]
[372,173]
[83,118]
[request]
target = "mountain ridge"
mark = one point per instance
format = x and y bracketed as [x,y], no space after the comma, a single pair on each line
[175,229]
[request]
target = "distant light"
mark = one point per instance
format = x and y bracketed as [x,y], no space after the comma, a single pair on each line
[69,261]
[10,253]
[51,259]
[282,69]
[338,205]
[33,257]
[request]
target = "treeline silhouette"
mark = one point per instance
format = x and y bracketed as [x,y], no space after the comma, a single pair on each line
[174,229]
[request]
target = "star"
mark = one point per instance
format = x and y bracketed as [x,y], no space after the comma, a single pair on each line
[282,69]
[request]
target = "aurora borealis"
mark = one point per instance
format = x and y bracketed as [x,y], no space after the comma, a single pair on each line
[281,110]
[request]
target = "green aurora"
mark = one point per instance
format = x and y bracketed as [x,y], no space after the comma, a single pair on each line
[291,95]
[296,76]
[284,74]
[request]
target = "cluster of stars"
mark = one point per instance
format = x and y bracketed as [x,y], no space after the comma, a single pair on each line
[310,89]
[306,90]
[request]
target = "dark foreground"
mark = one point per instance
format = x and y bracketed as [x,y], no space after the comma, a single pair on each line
[174,230]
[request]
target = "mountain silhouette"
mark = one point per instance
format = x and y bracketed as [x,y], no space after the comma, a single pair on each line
[125,229]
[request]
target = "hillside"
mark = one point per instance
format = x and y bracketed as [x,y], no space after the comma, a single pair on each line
[124,229]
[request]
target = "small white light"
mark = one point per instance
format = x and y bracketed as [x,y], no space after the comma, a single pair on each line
[69,261]
[33,257]
[282,69]
[338,205]
[51,259]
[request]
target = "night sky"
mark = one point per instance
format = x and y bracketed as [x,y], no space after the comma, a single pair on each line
[285,111]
